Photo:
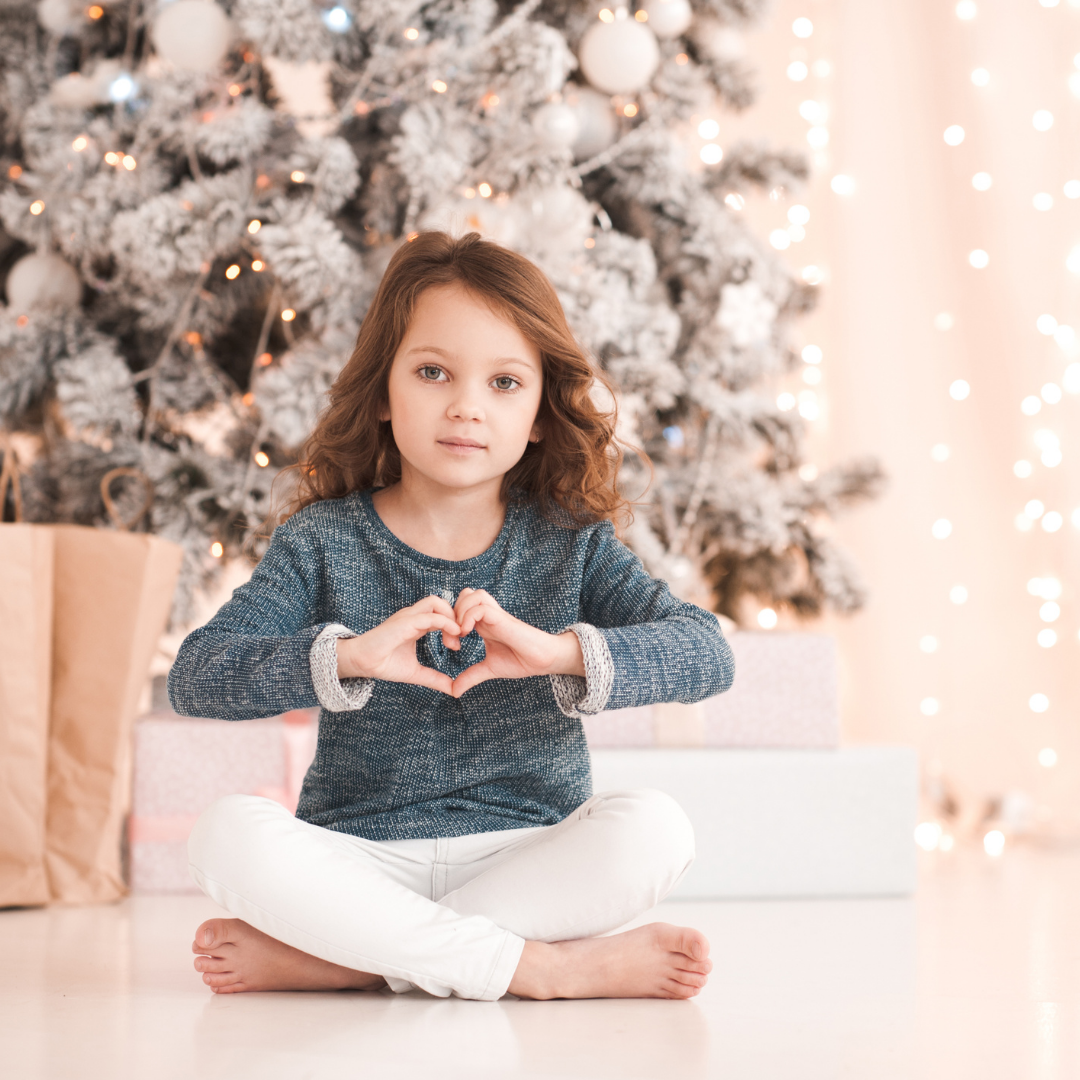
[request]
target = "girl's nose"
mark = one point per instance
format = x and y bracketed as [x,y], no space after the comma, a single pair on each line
[465,406]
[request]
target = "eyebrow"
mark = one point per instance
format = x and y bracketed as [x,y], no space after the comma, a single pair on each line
[500,361]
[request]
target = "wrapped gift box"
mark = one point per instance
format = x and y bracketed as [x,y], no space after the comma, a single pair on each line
[784,696]
[182,765]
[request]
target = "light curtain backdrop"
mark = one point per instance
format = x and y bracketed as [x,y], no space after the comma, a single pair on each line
[894,253]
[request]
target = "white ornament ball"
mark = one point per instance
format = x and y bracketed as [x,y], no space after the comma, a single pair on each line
[193,35]
[59,16]
[717,41]
[596,122]
[619,57]
[669,18]
[43,281]
[556,124]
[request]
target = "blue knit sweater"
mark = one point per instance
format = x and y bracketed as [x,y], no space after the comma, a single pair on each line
[397,761]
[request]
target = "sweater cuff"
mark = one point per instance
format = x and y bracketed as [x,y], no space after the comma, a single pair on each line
[577,696]
[334,694]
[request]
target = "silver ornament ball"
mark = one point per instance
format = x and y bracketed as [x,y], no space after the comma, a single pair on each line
[39,282]
[596,122]
[192,35]
[619,57]
[669,18]
[556,124]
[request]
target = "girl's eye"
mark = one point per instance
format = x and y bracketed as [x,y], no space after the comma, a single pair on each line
[505,382]
[431,372]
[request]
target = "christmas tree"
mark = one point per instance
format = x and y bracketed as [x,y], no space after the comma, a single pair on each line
[199,198]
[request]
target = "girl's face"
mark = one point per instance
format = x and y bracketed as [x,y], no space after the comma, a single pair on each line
[464,391]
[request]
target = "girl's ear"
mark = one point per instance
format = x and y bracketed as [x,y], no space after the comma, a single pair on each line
[384,412]
[536,434]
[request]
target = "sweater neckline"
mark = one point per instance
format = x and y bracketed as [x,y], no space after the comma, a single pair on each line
[397,544]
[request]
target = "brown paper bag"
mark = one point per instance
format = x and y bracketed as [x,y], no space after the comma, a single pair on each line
[26,606]
[112,594]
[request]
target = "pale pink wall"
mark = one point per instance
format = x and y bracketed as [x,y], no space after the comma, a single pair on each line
[895,254]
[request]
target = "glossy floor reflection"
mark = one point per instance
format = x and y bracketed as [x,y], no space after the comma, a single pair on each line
[978,977]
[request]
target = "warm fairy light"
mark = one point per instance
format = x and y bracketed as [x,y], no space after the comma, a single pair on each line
[208,116]
[1052,520]
[1023,469]
[235,89]
[958,594]
[264,359]
[1050,611]
[797,71]
[712,154]
[606,15]
[966,10]
[1046,324]
[37,207]
[262,460]
[734,201]
[1043,200]
[1065,336]
[843,185]
[288,315]
[248,398]
[708,129]
[490,100]
[95,11]
[808,405]
[766,618]
[954,135]
[928,643]
[439,86]
[411,237]
[469,193]
[929,706]
[193,338]
[361,108]
[217,550]
[411,33]
[811,354]
[928,835]
[233,272]
[262,181]
[590,242]
[980,77]
[813,275]
[80,143]
[629,109]
[258,265]
[811,376]
[808,472]
[14,172]
[484,190]
[297,176]
[1046,638]
[1038,703]
[1030,405]
[979,259]
[994,840]
[785,402]
[940,452]
[818,137]
[129,163]
[1050,393]
[941,529]
[779,239]
[641,15]
[981,181]
[1071,190]
[798,214]
[813,112]
[254,226]
[1048,757]
[1043,120]
[959,390]
[802,28]
[681,59]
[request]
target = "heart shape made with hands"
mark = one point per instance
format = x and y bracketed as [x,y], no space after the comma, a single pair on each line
[514,649]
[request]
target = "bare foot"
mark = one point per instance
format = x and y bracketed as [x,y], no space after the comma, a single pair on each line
[657,960]
[237,957]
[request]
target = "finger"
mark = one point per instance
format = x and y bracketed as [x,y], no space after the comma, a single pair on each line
[470,677]
[424,623]
[432,603]
[451,641]
[469,598]
[432,679]
[484,610]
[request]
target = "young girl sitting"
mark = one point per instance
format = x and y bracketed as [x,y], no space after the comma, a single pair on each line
[450,590]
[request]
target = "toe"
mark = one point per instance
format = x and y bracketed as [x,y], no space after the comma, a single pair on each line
[690,978]
[212,963]
[693,943]
[210,934]
[219,979]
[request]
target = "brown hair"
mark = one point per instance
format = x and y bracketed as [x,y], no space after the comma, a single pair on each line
[572,468]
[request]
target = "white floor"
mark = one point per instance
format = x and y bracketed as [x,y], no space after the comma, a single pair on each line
[978,977]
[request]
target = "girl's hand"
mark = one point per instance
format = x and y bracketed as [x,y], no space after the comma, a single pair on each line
[515,650]
[389,650]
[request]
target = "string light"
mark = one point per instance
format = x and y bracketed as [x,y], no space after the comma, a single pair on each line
[979,259]
[297,176]
[798,215]
[813,275]
[767,618]
[337,19]
[812,112]
[217,550]
[484,190]
[1034,508]
[808,472]
[233,272]
[1050,611]
[128,162]
[808,405]
[708,129]
[1047,638]
[928,643]
[980,77]
[95,11]
[235,89]
[959,390]
[631,110]
[940,452]
[811,376]
[411,33]
[122,88]
[1023,469]
[981,181]
[262,460]
[779,239]
[711,154]
[254,226]
[1048,757]
[994,843]
[811,354]
[802,28]
[1038,703]
[958,594]
[606,15]
[681,59]
[797,71]
[734,201]
[943,321]
[439,86]
[818,137]
[80,143]
[264,359]
[929,706]
[1043,120]
[928,835]
[954,135]
[641,15]
[288,315]
[1030,405]
[785,402]
[842,184]
[1071,190]
[941,529]
[257,265]
[966,10]
[1052,521]
[1051,393]
[1043,201]
[14,172]
[37,207]
[1046,324]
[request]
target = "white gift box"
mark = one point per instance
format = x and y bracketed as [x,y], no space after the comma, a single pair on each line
[784,695]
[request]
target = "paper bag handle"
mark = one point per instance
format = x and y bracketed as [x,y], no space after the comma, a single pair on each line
[110,505]
[9,476]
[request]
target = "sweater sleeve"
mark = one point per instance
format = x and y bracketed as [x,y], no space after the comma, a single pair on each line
[263,653]
[640,644]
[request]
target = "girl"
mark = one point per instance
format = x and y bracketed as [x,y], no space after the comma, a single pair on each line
[450,590]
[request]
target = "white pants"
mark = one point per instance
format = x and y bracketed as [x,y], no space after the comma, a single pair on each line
[450,916]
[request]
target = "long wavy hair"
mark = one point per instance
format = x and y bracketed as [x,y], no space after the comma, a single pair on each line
[572,468]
